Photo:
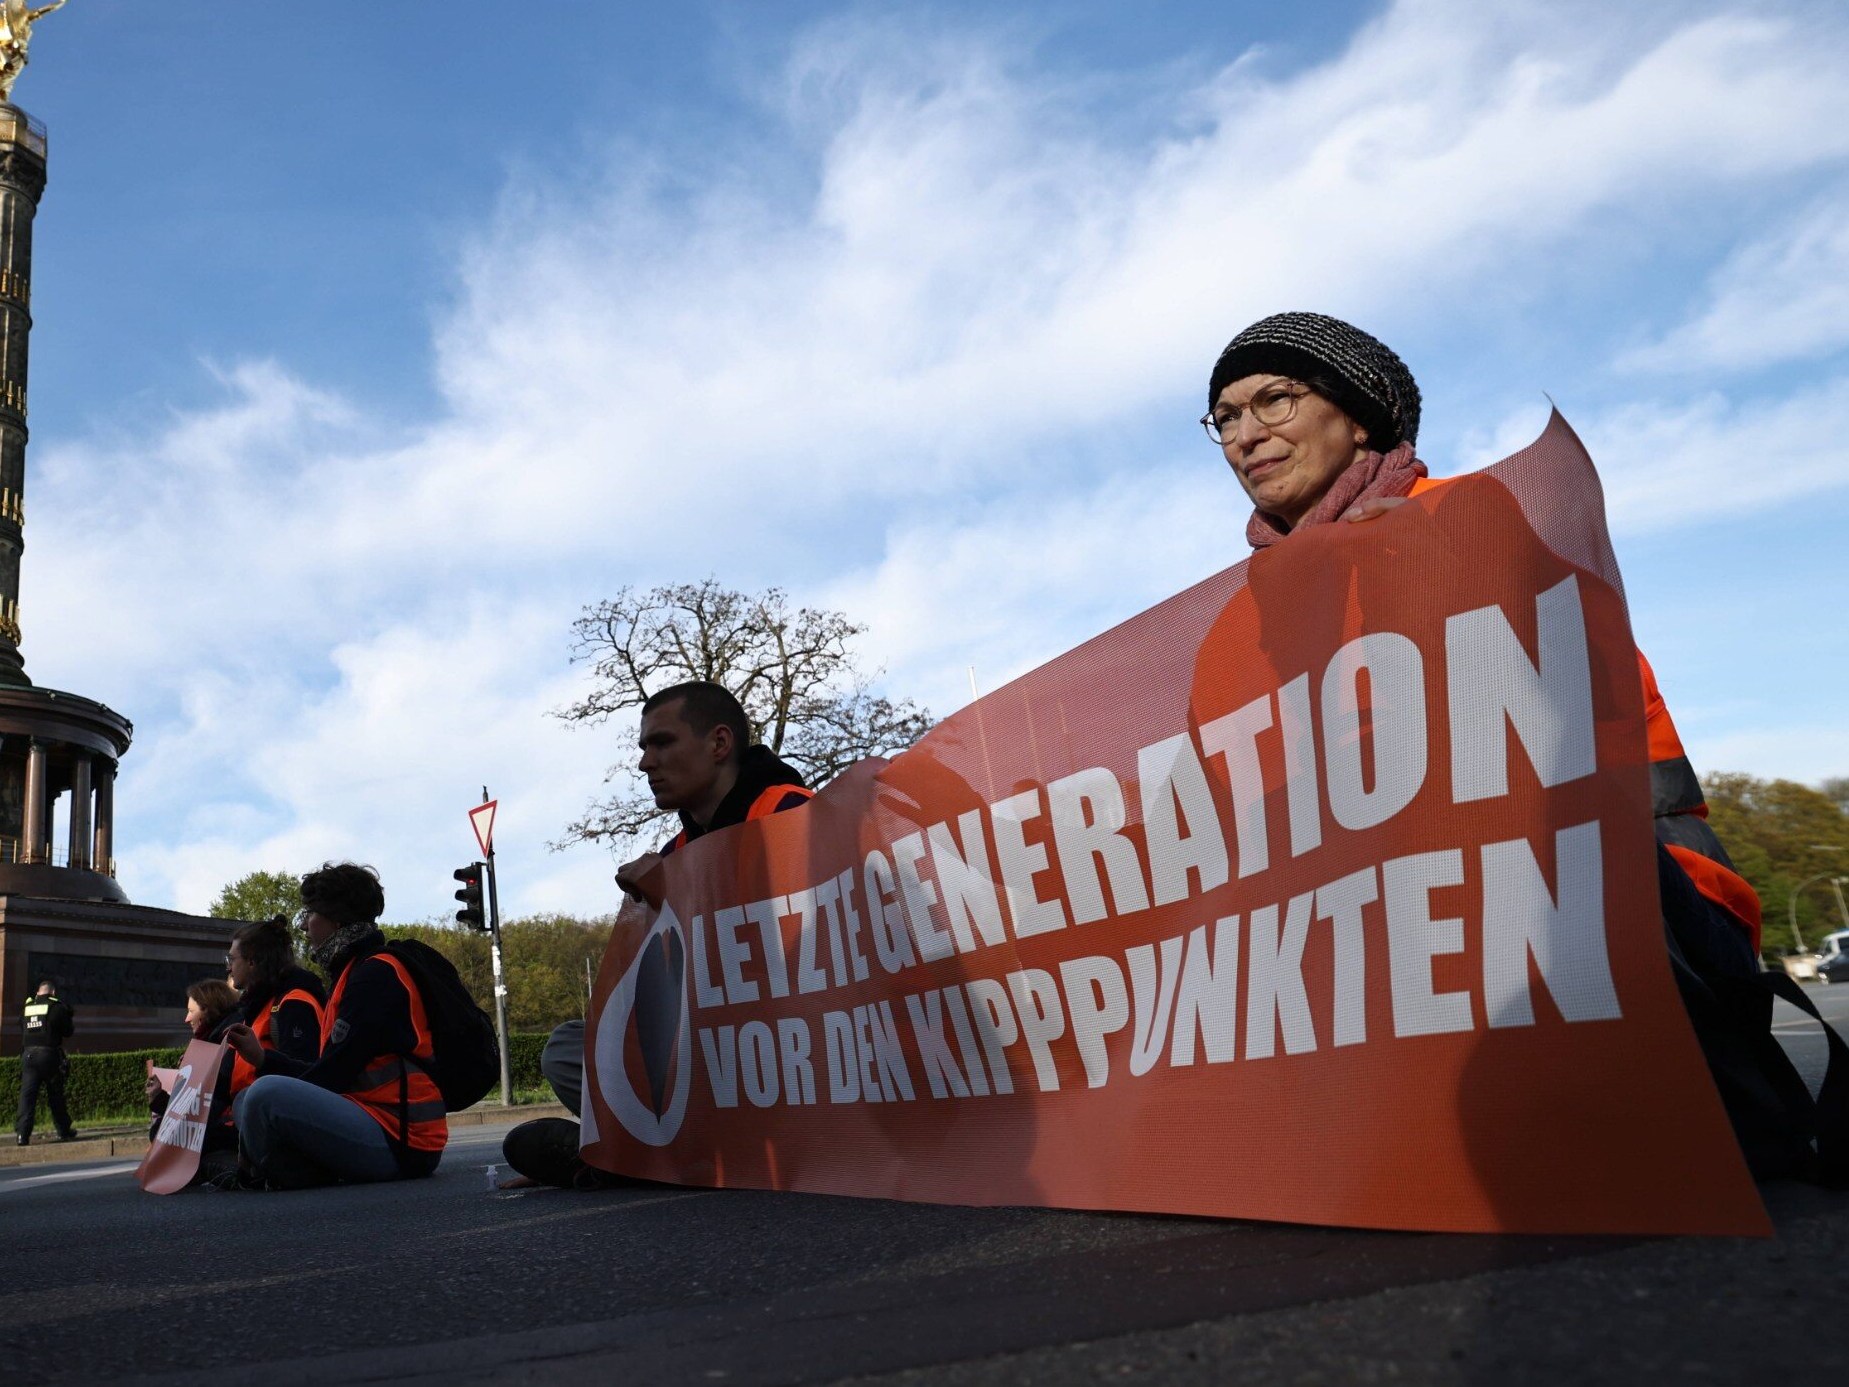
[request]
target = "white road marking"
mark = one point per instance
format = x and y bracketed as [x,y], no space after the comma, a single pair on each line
[59,1176]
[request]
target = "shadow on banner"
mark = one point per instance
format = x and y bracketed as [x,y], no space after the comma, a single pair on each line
[1320,892]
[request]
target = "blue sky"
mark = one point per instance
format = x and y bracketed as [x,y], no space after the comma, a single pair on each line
[363,359]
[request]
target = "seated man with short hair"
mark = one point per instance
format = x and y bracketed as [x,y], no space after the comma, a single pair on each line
[699,760]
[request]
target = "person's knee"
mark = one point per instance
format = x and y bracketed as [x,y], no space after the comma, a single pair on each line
[257,1105]
[566,1043]
[563,1055]
[562,1062]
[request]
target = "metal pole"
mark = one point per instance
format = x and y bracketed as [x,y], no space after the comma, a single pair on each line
[1792,901]
[500,984]
[1842,908]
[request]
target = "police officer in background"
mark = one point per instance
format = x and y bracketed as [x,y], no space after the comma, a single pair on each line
[46,1023]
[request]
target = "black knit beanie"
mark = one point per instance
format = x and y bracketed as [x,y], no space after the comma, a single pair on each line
[1361,374]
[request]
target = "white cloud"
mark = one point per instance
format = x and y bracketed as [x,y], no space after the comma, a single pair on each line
[381,765]
[1780,298]
[912,368]
[1011,587]
[980,270]
[1718,457]
[1668,463]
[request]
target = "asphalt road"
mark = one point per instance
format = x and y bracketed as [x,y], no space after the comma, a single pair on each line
[442,1281]
[1801,1036]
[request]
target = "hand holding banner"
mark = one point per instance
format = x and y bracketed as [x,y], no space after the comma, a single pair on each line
[173,1156]
[1322,892]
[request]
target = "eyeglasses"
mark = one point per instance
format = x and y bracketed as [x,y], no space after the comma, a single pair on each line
[1274,405]
[227,960]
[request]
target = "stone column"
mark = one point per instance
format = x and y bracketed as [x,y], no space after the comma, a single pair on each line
[22,182]
[33,846]
[103,853]
[80,809]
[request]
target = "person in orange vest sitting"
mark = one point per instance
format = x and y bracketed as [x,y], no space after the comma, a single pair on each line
[699,761]
[365,1108]
[278,999]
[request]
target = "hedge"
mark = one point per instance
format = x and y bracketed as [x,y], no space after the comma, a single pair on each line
[523,1049]
[115,1085]
[107,1085]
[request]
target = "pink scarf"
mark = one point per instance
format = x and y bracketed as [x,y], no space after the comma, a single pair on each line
[1377,474]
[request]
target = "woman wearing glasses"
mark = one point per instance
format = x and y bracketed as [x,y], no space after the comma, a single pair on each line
[1318,419]
[281,1001]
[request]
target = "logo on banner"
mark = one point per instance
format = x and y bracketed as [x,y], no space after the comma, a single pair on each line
[645,1038]
[183,1124]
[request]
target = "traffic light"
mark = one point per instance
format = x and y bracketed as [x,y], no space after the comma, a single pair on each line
[471,896]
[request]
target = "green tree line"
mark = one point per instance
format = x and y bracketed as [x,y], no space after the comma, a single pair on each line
[545,955]
[1785,838]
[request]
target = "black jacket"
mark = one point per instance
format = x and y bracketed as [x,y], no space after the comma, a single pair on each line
[295,1029]
[758,769]
[374,1021]
[46,1021]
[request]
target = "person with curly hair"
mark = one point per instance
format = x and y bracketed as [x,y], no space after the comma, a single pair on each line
[365,1108]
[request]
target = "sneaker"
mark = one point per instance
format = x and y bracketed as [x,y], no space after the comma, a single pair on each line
[22,1138]
[546,1150]
[589,1177]
[218,1170]
[71,1135]
[289,1169]
[248,1179]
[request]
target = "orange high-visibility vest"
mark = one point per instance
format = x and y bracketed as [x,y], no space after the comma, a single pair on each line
[395,1090]
[763,806]
[243,1072]
[1682,815]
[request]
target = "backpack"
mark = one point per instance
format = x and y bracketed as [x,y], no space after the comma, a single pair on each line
[466,1062]
[1783,1132]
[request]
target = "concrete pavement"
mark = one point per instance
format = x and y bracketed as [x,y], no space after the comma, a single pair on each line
[442,1280]
[101,1143]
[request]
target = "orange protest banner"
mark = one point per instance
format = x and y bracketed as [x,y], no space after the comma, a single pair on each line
[173,1156]
[1323,891]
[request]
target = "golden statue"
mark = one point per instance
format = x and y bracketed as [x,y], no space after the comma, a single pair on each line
[16,21]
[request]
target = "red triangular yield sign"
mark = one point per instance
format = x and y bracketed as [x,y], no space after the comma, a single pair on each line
[481,819]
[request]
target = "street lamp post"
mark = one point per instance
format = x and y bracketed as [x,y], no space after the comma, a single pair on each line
[1836,882]
[1799,890]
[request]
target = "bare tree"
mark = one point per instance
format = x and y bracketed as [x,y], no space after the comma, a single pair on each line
[794,671]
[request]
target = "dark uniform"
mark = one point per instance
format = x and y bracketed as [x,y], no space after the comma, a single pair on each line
[46,1023]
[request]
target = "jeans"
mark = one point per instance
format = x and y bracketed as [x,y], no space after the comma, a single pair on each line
[562,1062]
[282,1120]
